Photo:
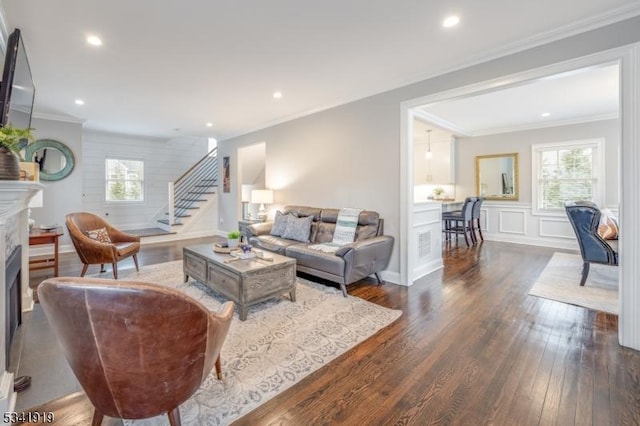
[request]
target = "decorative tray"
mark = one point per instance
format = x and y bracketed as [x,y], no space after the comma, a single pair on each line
[219,249]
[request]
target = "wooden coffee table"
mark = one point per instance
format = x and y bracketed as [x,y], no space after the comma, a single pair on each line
[245,281]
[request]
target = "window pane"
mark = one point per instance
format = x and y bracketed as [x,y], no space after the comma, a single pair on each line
[565,173]
[125,180]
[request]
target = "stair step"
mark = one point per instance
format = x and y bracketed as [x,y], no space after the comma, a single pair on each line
[210,180]
[204,186]
[166,222]
[193,199]
[179,215]
[187,207]
[201,192]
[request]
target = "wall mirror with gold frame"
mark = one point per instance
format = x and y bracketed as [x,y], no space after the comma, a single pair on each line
[497,176]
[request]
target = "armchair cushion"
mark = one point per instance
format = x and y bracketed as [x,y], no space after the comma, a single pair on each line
[100,234]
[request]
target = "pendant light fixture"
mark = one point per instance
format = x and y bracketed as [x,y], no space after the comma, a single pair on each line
[428,155]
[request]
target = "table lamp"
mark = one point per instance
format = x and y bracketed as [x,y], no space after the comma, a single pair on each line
[262,197]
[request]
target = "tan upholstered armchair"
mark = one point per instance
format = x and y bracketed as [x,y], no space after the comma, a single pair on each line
[138,349]
[116,246]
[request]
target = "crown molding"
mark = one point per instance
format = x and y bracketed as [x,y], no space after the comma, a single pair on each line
[55,117]
[545,124]
[430,118]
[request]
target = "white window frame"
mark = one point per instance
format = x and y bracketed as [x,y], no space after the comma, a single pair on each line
[106,181]
[597,144]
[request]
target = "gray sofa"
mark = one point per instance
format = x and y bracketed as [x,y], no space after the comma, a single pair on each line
[368,254]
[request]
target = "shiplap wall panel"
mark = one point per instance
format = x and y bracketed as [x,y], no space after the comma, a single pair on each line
[164,161]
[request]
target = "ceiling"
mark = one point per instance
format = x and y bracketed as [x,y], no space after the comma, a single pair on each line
[168,67]
[578,96]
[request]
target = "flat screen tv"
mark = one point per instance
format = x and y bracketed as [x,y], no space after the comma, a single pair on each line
[17,91]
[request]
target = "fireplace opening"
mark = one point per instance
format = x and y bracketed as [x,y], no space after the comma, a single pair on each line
[13,297]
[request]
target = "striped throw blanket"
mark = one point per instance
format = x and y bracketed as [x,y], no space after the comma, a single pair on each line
[344,233]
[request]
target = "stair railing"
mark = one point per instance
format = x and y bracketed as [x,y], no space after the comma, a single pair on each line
[202,173]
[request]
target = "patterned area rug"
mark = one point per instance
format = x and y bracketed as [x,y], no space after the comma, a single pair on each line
[277,346]
[560,281]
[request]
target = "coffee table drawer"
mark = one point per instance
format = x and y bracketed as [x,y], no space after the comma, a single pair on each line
[196,268]
[227,283]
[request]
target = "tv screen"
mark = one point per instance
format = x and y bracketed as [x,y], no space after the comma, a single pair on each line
[17,91]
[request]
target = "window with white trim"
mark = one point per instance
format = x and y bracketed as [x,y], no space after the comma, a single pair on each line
[566,171]
[124,180]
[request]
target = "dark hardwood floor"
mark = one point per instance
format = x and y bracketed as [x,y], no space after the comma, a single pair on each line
[470,348]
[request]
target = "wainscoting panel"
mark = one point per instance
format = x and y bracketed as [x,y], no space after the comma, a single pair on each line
[515,223]
[512,222]
[426,239]
[556,228]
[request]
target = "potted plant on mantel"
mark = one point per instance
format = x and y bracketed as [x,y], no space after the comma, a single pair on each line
[10,138]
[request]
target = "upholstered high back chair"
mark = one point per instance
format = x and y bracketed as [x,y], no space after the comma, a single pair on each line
[459,222]
[585,218]
[97,242]
[138,349]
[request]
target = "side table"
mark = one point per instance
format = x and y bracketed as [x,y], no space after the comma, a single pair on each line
[42,236]
[243,225]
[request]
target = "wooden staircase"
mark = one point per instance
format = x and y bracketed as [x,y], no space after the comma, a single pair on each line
[188,193]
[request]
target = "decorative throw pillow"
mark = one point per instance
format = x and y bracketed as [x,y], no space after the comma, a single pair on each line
[280,223]
[608,227]
[99,235]
[298,229]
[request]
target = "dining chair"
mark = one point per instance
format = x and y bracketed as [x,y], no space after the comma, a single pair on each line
[459,222]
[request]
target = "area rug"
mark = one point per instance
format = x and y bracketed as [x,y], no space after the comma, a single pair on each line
[278,345]
[560,281]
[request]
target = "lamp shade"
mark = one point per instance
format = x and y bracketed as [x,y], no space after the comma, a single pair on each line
[262,196]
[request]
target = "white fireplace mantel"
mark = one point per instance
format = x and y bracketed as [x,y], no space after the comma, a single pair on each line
[14,200]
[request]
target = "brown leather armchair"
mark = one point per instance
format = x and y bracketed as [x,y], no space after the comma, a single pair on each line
[91,251]
[138,349]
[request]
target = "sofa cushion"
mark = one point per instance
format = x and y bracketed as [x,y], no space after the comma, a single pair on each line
[325,232]
[326,262]
[298,229]
[302,211]
[280,223]
[271,243]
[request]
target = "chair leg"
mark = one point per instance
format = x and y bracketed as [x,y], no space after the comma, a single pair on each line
[96,420]
[464,232]
[102,268]
[343,287]
[218,368]
[472,232]
[480,231]
[378,278]
[114,266]
[174,417]
[135,260]
[84,269]
[585,272]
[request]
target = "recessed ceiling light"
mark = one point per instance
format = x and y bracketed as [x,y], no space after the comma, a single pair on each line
[451,21]
[94,40]
[79,102]
[277,95]
[545,114]
[209,124]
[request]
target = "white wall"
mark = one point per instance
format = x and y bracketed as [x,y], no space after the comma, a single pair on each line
[350,155]
[62,196]
[520,142]
[164,161]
